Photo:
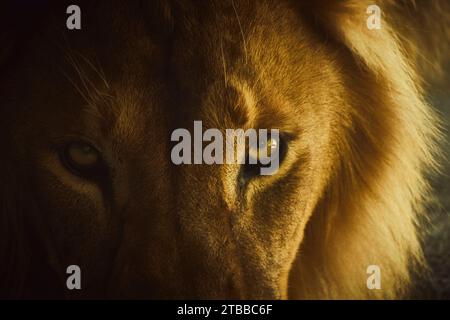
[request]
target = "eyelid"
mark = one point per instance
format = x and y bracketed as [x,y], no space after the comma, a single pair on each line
[61,141]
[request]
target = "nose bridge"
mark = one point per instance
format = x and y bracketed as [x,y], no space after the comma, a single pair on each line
[225,234]
[184,237]
[206,232]
[148,250]
[206,196]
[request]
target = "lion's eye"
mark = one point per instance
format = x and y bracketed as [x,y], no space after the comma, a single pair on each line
[82,159]
[266,148]
[273,148]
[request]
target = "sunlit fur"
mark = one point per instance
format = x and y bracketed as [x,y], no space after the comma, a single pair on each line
[349,194]
[370,210]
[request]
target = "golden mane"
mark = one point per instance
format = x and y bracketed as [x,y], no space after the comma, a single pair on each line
[370,211]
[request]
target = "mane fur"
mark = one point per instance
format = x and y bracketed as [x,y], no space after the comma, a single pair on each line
[369,214]
[370,211]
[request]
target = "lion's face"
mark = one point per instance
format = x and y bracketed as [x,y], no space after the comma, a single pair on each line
[94,112]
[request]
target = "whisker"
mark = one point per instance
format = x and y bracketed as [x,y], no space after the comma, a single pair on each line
[240,27]
[92,91]
[75,85]
[224,63]
[102,77]
[77,68]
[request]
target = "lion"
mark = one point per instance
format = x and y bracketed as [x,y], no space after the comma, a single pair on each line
[87,180]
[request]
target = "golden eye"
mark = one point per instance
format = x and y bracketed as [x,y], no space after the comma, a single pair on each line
[270,146]
[273,148]
[82,159]
[82,155]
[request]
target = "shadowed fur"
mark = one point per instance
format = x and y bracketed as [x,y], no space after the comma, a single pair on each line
[349,102]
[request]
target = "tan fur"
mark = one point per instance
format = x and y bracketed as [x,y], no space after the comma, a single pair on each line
[350,101]
[370,210]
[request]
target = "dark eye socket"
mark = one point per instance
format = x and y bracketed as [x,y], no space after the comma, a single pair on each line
[250,171]
[83,160]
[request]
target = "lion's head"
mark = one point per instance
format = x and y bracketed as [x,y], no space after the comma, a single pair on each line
[86,118]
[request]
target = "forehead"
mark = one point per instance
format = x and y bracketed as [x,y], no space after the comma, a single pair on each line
[106,80]
[242,60]
[136,70]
